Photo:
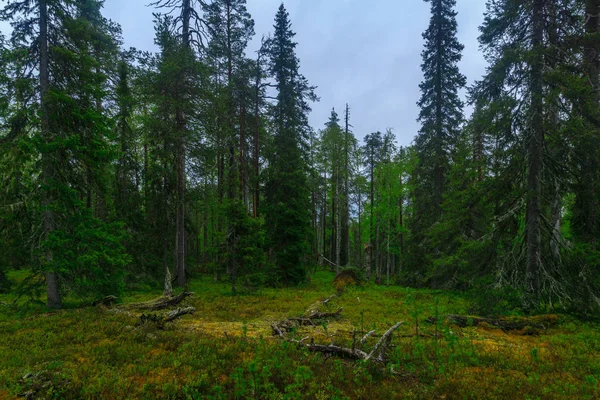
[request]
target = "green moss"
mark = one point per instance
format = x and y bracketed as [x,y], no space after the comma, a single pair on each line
[225,350]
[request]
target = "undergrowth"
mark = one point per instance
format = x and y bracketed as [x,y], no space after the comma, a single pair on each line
[226,350]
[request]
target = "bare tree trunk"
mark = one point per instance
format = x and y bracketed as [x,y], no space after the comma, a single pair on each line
[401,217]
[388,238]
[345,250]
[338,229]
[334,211]
[242,162]
[180,219]
[360,258]
[371,222]
[324,219]
[181,157]
[256,192]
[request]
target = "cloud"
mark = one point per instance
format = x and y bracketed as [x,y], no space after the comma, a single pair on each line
[366,54]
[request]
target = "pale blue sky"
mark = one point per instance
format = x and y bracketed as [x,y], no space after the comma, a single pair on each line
[365,53]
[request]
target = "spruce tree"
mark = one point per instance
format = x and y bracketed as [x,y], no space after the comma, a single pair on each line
[69,46]
[287,194]
[440,110]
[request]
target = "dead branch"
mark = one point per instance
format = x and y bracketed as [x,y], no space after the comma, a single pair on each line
[327,300]
[174,314]
[161,319]
[314,316]
[383,343]
[157,304]
[368,335]
[377,353]
[355,354]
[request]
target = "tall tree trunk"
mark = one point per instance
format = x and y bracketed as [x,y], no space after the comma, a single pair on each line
[535,159]
[338,226]
[360,252]
[555,148]
[332,239]
[371,245]
[168,287]
[181,157]
[54,299]
[256,191]
[324,219]
[242,151]
[345,250]
[401,223]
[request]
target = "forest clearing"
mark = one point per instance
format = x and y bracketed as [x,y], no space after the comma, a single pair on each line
[174,224]
[227,349]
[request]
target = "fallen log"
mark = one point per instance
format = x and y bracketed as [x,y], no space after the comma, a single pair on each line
[161,319]
[377,354]
[157,304]
[105,301]
[180,312]
[506,324]
[309,320]
[355,354]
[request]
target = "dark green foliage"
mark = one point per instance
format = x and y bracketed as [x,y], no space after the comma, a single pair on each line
[130,167]
[68,204]
[440,110]
[287,196]
[490,301]
[89,257]
[5,284]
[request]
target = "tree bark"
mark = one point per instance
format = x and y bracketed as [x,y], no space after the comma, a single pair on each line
[345,250]
[181,157]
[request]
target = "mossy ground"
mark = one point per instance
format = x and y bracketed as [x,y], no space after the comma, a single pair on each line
[226,350]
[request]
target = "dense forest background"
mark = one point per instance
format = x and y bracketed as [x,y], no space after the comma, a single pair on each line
[120,167]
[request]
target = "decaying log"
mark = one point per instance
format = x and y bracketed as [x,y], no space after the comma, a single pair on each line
[506,324]
[377,354]
[355,354]
[105,301]
[161,319]
[310,320]
[157,304]
[174,314]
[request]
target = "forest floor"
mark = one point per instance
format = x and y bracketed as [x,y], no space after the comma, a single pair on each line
[227,349]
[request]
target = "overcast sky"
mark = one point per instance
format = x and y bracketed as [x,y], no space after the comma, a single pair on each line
[364,53]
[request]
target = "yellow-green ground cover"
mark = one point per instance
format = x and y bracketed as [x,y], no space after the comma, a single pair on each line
[226,350]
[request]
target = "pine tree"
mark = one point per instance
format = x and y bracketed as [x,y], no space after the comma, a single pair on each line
[191,28]
[232,27]
[287,194]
